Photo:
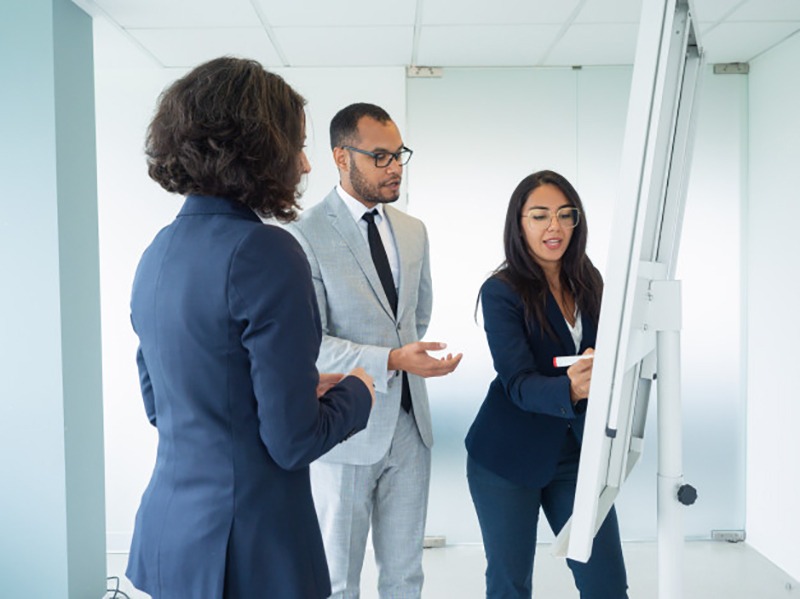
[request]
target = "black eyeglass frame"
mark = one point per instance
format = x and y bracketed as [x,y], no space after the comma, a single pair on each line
[404,151]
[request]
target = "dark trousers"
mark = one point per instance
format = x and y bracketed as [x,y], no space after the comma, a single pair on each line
[508,515]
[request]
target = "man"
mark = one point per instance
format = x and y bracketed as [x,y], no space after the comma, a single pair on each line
[371,271]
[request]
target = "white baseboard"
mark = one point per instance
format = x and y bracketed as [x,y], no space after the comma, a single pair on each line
[118,542]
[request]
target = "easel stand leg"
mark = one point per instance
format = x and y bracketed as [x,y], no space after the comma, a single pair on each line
[670,471]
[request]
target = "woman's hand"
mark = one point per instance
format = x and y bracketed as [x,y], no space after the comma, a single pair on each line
[360,373]
[580,377]
[326,381]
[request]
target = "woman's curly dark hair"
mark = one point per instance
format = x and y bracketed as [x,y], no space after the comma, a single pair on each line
[231,129]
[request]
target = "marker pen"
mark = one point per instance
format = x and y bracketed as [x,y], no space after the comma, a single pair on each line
[563,361]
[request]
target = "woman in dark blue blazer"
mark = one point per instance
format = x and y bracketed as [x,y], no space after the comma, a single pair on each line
[524,445]
[229,333]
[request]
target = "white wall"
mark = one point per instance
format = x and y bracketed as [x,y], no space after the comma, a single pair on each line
[476,133]
[773,285]
[709,266]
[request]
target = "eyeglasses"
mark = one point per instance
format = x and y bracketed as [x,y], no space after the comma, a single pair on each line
[567,217]
[384,159]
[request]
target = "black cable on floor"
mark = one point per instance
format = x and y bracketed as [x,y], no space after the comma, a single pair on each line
[117,594]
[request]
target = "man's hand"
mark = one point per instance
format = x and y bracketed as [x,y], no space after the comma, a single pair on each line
[414,358]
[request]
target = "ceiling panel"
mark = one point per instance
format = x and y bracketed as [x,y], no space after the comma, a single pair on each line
[453,32]
[768,10]
[711,11]
[189,47]
[507,45]
[496,12]
[143,14]
[741,42]
[351,46]
[603,11]
[345,13]
[611,44]
[118,50]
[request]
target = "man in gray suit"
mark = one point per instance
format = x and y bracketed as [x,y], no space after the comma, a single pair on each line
[371,270]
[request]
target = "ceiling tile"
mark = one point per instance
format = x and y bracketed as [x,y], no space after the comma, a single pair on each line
[609,44]
[711,11]
[345,46]
[768,10]
[603,11]
[741,42]
[496,12]
[324,13]
[118,50]
[144,14]
[190,47]
[464,33]
[490,45]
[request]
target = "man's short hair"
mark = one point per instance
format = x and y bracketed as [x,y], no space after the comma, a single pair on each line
[344,125]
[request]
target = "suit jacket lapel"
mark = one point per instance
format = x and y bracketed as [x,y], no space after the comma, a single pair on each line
[342,221]
[559,325]
[403,241]
[589,333]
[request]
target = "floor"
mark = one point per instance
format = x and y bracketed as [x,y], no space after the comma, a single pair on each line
[713,570]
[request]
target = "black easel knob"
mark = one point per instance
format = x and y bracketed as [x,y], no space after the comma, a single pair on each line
[687,494]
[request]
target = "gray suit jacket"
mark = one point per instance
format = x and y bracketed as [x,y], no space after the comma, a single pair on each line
[358,326]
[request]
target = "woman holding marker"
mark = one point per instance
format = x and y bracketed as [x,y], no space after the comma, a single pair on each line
[523,448]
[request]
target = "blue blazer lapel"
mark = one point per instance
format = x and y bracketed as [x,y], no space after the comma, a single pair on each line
[589,338]
[342,222]
[559,325]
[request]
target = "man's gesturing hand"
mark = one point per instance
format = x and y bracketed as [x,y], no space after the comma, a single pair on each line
[414,358]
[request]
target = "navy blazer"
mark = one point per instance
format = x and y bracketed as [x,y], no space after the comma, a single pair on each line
[520,428]
[229,333]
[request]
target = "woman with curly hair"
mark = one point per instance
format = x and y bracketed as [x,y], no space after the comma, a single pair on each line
[524,445]
[224,309]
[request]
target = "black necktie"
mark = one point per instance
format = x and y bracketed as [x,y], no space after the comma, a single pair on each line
[381,262]
[380,259]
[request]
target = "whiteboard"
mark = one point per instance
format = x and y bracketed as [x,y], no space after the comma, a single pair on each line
[645,238]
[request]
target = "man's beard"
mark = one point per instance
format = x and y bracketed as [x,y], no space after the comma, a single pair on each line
[367,192]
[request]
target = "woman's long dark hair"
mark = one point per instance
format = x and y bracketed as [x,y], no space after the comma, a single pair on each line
[524,274]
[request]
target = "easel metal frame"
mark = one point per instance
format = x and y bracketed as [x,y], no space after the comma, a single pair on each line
[639,329]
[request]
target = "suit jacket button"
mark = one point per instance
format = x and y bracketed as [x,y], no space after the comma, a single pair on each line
[398,326]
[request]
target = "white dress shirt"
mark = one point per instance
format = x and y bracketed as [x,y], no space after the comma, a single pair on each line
[357,209]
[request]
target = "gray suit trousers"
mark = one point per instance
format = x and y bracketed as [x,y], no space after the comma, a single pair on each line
[391,496]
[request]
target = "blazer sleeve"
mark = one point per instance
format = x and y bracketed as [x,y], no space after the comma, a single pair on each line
[425,297]
[513,354]
[272,297]
[337,354]
[147,387]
